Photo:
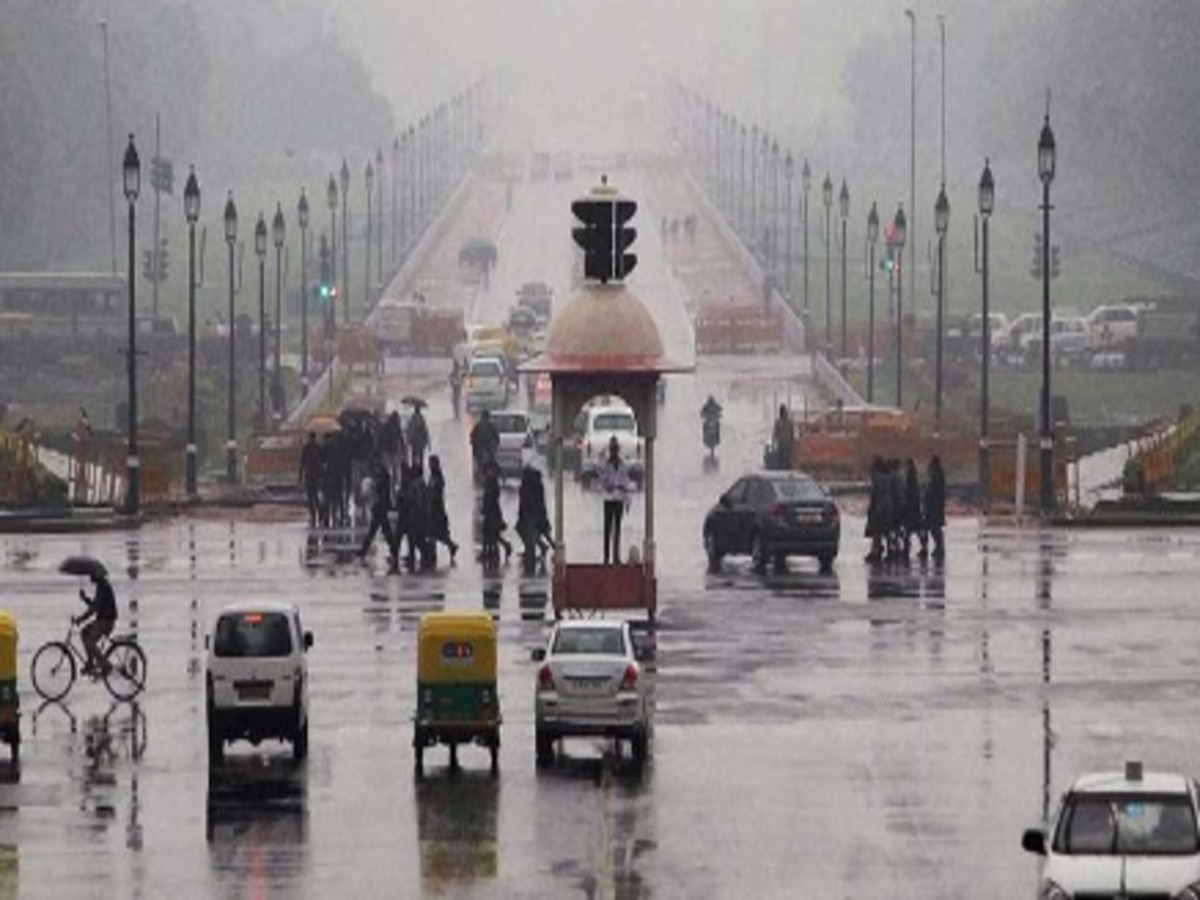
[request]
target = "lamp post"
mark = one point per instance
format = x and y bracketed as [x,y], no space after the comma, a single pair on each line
[331,196]
[369,179]
[805,186]
[132,171]
[260,250]
[912,175]
[742,183]
[395,179]
[827,199]
[278,233]
[899,235]
[231,401]
[773,243]
[789,173]
[844,209]
[987,203]
[302,218]
[872,239]
[191,211]
[941,221]
[379,214]
[753,229]
[1046,164]
[764,227]
[345,186]
[410,154]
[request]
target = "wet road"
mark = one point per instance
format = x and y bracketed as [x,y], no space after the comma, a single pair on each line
[862,734]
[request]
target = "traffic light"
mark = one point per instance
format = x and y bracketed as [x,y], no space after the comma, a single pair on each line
[164,259]
[604,235]
[148,264]
[1035,268]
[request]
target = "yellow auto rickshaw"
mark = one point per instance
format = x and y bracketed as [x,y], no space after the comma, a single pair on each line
[457,701]
[10,704]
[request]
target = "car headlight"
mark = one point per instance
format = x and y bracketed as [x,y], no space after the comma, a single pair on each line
[1051,891]
[1189,893]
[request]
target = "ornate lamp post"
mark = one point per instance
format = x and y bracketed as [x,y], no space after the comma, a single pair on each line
[987,203]
[1046,166]
[410,154]
[751,233]
[302,218]
[345,185]
[191,211]
[827,199]
[132,171]
[872,240]
[789,173]
[773,234]
[844,210]
[899,235]
[395,207]
[760,240]
[941,221]
[805,187]
[260,250]
[278,234]
[231,401]
[742,184]
[369,179]
[331,197]
[379,215]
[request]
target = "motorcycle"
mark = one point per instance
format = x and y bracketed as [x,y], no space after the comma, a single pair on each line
[712,434]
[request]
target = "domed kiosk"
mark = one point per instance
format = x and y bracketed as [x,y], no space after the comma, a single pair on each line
[603,341]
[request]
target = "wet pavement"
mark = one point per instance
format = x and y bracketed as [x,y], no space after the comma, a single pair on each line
[869,733]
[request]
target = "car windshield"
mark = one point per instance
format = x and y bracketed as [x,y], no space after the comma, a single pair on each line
[613,421]
[606,641]
[253,634]
[793,489]
[509,422]
[1102,825]
[488,368]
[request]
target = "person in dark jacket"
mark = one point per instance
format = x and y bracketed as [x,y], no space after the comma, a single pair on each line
[98,621]
[418,519]
[310,477]
[381,506]
[914,522]
[533,525]
[493,523]
[439,521]
[783,438]
[418,437]
[878,510]
[935,507]
[899,511]
[485,441]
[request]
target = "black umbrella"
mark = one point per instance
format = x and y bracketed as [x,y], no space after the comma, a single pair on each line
[415,402]
[82,565]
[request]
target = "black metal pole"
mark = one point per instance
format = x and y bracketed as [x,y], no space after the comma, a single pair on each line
[278,329]
[345,259]
[787,263]
[262,341]
[379,214]
[871,326]
[941,293]
[899,329]
[828,292]
[231,403]
[191,435]
[1047,435]
[367,260]
[132,462]
[985,462]
[304,311]
[807,336]
[845,354]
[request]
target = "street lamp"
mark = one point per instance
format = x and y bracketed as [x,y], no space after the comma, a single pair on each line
[331,196]
[231,402]
[260,250]
[132,170]
[761,241]
[369,178]
[899,235]
[941,221]
[750,234]
[773,242]
[302,218]
[987,203]
[410,154]
[827,199]
[789,173]
[805,187]
[379,214]
[872,239]
[345,185]
[191,210]
[1046,161]
[742,184]
[395,179]
[844,209]
[278,233]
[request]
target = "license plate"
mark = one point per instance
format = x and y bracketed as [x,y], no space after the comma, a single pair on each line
[808,518]
[253,690]
[588,685]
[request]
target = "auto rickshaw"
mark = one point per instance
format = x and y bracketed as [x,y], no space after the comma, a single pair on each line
[10,712]
[457,701]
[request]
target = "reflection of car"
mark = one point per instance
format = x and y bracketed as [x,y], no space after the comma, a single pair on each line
[590,684]
[1122,834]
[256,683]
[771,516]
[516,440]
[486,384]
[595,426]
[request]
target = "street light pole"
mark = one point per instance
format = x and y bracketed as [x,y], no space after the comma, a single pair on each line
[987,203]
[132,170]
[805,185]
[379,214]
[112,202]
[912,189]
[1046,165]
[872,239]
[827,199]
[231,401]
[742,185]
[302,217]
[941,221]
[331,196]
[260,250]
[410,154]
[751,235]
[191,210]
[369,178]
[899,236]
[345,185]
[395,180]
[844,209]
[278,234]
[789,173]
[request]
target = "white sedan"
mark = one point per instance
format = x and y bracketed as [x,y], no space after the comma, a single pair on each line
[590,684]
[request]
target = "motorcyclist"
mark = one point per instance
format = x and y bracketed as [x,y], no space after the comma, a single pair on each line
[710,416]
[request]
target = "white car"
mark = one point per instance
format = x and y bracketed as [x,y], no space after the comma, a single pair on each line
[1112,325]
[516,441]
[595,426]
[486,384]
[256,679]
[1122,834]
[590,684]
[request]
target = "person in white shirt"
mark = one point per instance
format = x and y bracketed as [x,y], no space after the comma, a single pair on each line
[615,482]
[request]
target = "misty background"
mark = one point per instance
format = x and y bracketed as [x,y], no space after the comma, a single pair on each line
[278,91]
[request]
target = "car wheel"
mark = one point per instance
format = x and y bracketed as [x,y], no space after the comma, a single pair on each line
[826,563]
[713,550]
[300,743]
[419,762]
[544,749]
[758,553]
[638,747]
[216,743]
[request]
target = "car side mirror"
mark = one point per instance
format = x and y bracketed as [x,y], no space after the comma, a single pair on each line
[725,501]
[1034,841]
[308,641]
[538,655]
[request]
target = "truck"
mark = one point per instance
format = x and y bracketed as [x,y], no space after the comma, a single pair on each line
[738,329]
[413,327]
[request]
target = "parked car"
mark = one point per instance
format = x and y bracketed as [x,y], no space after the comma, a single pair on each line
[1121,834]
[256,677]
[596,425]
[590,684]
[1112,325]
[486,383]
[1070,340]
[516,441]
[771,516]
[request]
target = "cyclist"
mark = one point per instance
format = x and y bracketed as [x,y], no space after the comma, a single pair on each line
[102,611]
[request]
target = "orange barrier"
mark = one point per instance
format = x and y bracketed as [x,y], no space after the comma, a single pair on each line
[738,329]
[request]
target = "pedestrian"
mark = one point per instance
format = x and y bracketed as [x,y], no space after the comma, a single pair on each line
[614,481]
[783,437]
[391,443]
[381,506]
[98,621]
[935,506]
[493,522]
[899,511]
[533,524]
[914,522]
[418,437]
[456,384]
[485,441]
[438,519]
[878,510]
[418,519]
[310,476]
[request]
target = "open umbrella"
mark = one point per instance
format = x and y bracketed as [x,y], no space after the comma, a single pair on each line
[87,566]
[323,425]
[414,402]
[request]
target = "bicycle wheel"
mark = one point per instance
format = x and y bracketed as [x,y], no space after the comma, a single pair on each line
[125,674]
[53,670]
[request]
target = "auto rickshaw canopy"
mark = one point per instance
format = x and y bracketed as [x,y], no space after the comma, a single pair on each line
[456,648]
[8,646]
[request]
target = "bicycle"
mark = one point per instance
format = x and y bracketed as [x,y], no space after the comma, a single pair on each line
[56,663]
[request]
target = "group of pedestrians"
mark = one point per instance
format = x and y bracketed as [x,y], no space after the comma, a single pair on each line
[417,507]
[901,509]
[327,473]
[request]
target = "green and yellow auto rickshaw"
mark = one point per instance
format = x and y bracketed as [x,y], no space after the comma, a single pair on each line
[10,704]
[457,701]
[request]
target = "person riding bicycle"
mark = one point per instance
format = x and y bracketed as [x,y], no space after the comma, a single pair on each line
[102,611]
